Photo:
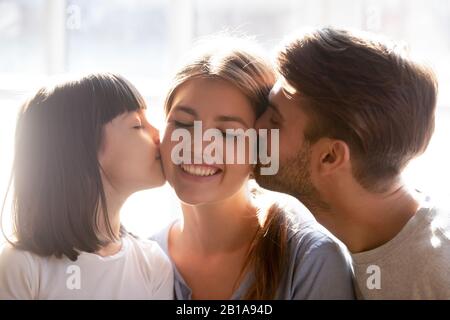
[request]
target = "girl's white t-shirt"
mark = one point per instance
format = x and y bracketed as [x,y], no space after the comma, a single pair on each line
[140,270]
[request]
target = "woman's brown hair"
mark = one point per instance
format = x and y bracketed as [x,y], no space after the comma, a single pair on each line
[58,195]
[242,66]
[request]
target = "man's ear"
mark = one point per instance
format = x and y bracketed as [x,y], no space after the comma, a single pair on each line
[332,155]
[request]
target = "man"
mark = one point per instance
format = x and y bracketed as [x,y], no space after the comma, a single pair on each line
[351,114]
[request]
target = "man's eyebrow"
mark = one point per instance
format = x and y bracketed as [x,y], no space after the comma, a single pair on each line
[185,109]
[233,119]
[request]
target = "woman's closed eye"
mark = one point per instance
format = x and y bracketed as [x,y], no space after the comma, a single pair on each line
[180,124]
[230,133]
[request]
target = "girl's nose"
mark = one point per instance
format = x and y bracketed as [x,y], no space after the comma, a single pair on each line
[155,135]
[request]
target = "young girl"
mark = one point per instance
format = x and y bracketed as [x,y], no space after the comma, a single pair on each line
[226,246]
[82,148]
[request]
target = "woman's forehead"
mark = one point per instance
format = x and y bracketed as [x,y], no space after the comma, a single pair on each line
[212,97]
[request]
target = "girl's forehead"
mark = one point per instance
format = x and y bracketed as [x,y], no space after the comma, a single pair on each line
[127,116]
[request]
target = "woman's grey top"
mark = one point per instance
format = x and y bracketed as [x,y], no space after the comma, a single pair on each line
[319,267]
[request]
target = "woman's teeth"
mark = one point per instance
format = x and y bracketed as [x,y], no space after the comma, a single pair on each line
[197,170]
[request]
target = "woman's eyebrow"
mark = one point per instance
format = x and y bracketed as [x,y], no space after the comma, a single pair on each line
[185,109]
[223,118]
[232,119]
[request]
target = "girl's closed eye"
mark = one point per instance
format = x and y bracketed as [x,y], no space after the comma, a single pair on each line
[138,124]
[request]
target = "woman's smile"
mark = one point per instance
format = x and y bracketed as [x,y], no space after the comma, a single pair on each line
[200,173]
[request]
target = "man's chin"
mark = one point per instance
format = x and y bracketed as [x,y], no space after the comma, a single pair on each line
[269,182]
[275,183]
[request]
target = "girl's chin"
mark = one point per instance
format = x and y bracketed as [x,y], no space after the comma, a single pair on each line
[153,181]
[158,183]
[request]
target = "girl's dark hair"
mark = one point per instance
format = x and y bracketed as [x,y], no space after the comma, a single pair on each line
[58,195]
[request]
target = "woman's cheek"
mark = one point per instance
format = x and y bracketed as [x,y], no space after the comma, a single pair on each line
[238,172]
[165,150]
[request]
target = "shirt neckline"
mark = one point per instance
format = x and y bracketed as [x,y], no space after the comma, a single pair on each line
[408,229]
[236,294]
[123,249]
